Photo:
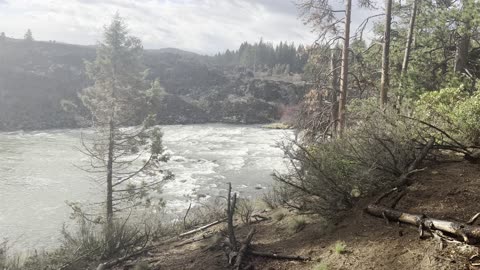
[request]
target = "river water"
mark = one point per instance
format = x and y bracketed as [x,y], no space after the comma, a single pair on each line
[38,174]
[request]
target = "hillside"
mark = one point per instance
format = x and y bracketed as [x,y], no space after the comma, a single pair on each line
[36,76]
[369,242]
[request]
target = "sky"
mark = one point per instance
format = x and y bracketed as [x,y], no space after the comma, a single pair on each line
[201,26]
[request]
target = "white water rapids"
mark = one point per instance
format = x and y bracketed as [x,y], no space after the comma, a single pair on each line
[38,174]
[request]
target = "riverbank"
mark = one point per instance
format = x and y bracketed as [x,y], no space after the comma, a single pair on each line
[359,241]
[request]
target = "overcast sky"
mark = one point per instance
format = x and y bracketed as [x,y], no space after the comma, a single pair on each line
[202,26]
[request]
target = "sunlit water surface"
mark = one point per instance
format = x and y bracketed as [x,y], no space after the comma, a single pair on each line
[38,173]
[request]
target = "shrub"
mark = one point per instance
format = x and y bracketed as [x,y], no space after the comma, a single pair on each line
[296,224]
[454,111]
[205,212]
[273,197]
[280,215]
[141,266]
[245,210]
[340,247]
[9,262]
[321,266]
[329,175]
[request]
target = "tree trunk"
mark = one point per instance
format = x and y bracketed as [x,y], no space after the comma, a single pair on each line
[408,50]
[408,47]
[385,80]
[334,90]
[111,142]
[462,47]
[344,69]
[230,212]
[461,54]
[468,233]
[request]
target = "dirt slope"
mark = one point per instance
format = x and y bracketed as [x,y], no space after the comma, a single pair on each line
[447,191]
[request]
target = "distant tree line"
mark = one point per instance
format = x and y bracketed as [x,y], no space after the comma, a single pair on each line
[282,58]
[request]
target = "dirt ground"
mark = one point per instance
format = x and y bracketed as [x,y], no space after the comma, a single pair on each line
[443,190]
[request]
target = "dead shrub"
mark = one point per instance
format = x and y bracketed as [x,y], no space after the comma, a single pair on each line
[245,209]
[205,212]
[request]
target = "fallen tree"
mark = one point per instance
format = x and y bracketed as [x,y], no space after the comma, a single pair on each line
[466,232]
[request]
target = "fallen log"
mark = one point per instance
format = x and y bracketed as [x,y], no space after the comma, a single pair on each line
[468,233]
[278,256]
[110,264]
[243,249]
[195,239]
[202,228]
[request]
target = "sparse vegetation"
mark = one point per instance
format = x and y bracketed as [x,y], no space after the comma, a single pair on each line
[141,266]
[340,247]
[245,209]
[279,215]
[321,266]
[296,224]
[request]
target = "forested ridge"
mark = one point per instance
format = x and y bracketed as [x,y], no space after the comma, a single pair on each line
[37,77]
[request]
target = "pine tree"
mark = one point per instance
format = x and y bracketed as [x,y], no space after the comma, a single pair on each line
[129,159]
[28,36]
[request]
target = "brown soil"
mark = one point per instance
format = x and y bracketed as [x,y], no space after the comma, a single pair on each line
[446,191]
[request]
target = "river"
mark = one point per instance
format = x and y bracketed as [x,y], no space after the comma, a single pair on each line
[38,174]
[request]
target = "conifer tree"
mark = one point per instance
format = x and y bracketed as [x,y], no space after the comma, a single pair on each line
[28,36]
[126,152]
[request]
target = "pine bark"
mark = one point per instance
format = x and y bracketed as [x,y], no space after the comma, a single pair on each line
[334,90]
[408,47]
[462,47]
[385,80]
[344,69]
[109,202]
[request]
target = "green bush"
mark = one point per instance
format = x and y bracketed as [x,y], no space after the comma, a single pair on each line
[454,111]
[340,247]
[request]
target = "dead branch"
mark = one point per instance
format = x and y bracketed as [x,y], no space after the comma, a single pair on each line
[384,195]
[412,168]
[202,228]
[473,219]
[185,217]
[398,198]
[467,233]
[230,212]
[243,249]
[278,256]
[195,239]
[259,218]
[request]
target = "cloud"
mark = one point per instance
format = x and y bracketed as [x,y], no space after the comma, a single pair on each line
[203,26]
